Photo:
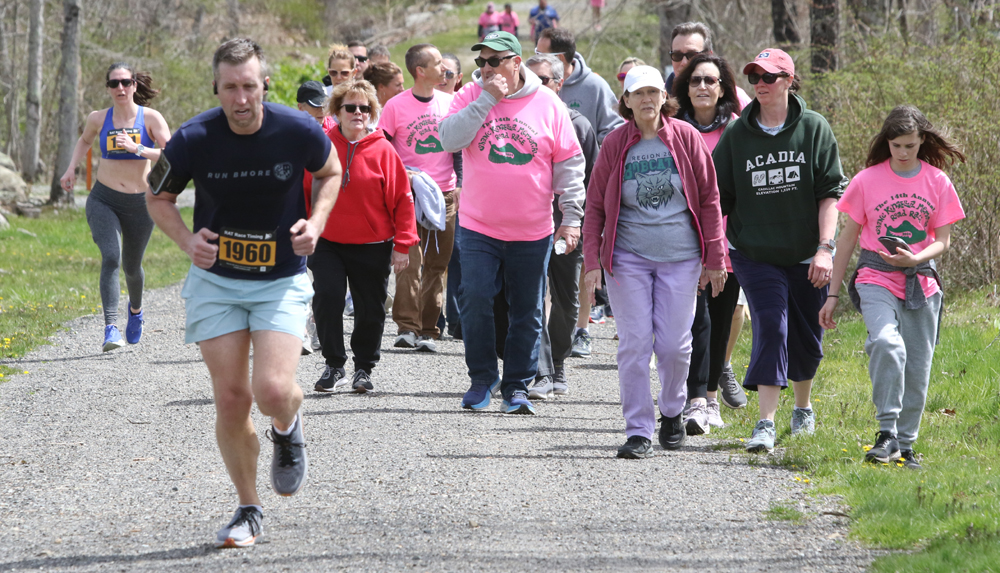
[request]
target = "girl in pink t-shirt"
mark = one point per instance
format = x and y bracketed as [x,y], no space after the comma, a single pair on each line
[901,207]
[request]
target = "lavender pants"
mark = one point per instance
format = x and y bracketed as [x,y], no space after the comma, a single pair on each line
[654,307]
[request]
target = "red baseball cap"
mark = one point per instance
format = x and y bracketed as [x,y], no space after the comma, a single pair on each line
[772,60]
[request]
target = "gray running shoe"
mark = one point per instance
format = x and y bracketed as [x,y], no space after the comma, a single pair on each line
[362,382]
[426,344]
[406,340]
[290,464]
[560,386]
[714,416]
[803,421]
[696,419]
[581,344]
[730,391]
[762,439]
[542,389]
[243,529]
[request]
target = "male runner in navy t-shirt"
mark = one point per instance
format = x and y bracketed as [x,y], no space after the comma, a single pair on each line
[247,283]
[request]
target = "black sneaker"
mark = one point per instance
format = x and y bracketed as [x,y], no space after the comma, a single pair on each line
[331,379]
[885,450]
[635,448]
[672,432]
[362,382]
[909,460]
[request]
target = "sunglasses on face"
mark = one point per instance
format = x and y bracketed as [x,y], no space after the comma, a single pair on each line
[768,78]
[678,56]
[114,83]
[448,74]
[351,108]
[361,59]
[621,76]
[494,62]
[708,81]
[343,74]
[545,80]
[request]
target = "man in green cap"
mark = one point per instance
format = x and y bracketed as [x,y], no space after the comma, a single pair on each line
[519,152]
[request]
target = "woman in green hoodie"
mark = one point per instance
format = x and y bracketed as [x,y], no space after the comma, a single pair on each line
[779,179]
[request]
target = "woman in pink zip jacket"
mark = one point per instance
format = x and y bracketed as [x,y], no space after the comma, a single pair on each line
[653,224]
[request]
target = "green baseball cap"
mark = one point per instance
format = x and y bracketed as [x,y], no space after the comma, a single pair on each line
[499,41]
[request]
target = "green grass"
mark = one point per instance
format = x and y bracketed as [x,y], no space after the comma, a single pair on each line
[50,276]
[949,513]
[784,512]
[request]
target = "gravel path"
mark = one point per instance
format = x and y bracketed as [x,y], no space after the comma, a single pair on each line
[109,463]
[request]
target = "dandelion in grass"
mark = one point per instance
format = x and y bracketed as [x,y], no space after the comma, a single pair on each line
[25,371]
[843,449]
[51,306]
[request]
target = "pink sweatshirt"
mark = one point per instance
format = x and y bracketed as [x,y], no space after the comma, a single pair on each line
[697,172]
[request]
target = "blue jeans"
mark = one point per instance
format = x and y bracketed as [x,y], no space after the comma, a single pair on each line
[524,265]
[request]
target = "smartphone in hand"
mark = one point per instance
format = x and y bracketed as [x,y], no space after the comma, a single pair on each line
[890,244]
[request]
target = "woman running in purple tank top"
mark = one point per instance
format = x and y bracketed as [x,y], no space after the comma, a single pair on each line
[130,136]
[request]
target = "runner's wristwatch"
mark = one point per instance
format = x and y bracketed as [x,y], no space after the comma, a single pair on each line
[139,148]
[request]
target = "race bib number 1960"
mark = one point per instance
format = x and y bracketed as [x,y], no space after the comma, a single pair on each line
[247,251]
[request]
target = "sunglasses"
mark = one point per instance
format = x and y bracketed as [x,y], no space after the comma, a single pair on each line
[448,74]
[678,56]
[124,83]
[343,74]
[494,62]
[707,80]
[361,58]
[621,76]
[545,80]
[351,108]
[768,78]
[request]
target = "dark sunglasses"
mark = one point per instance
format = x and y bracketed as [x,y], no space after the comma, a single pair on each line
[494,62]
[361,58]
[708,80]
[448,74]
[768,78]
[351,108]
[678,56]
[343,74]
[621,76]
[545,80]
[114,83]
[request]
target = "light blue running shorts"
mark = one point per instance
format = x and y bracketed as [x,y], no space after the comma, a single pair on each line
[220,305]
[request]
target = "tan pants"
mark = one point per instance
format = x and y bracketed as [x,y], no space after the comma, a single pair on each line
[420,287]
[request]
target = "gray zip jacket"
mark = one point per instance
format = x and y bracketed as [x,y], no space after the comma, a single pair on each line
[589,94]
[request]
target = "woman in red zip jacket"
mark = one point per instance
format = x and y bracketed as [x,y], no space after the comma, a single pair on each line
[371,228]
[654,225]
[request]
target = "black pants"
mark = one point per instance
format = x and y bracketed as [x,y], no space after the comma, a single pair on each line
[366,268]
[559,327]
[713,318]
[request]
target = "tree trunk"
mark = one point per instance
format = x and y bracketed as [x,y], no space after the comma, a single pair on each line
[8,81]
[33,125]
[69,82]
[233,9]
[783,13]
[825,25]
[671,13]
[870,15]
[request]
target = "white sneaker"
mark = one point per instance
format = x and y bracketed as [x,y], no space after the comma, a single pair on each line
[696,419]
[426,344]
[242,530]
[406,340]
[714,415]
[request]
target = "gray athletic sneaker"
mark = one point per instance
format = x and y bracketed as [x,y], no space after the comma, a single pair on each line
[581,344]
[542,389]
[290,464]
[406,340]
[762,439]
[803,421]
[696,419]
[730,391]
[426,344]
[714,416]
[243,529]
[560,385]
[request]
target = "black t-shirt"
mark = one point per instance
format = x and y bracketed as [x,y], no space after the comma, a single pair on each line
[248,188]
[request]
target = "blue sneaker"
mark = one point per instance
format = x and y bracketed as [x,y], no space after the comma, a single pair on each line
[112,338]
[133,330]
[518,404]
[478,396]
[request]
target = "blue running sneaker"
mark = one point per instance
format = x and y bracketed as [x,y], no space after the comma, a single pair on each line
[133,330]
[518,404]
[112,338]
[478,396]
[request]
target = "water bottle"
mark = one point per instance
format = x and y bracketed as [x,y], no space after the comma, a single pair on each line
[560,246]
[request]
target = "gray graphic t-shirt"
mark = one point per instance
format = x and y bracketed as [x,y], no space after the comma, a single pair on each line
[655,221]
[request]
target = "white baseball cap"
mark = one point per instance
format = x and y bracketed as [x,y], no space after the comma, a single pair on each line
[642,77]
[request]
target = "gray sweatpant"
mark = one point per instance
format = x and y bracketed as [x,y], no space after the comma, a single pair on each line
[900,346]
[121,227]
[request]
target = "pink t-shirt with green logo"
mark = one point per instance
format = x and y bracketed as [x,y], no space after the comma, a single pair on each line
[887,205]
[507,170]
[413,126]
